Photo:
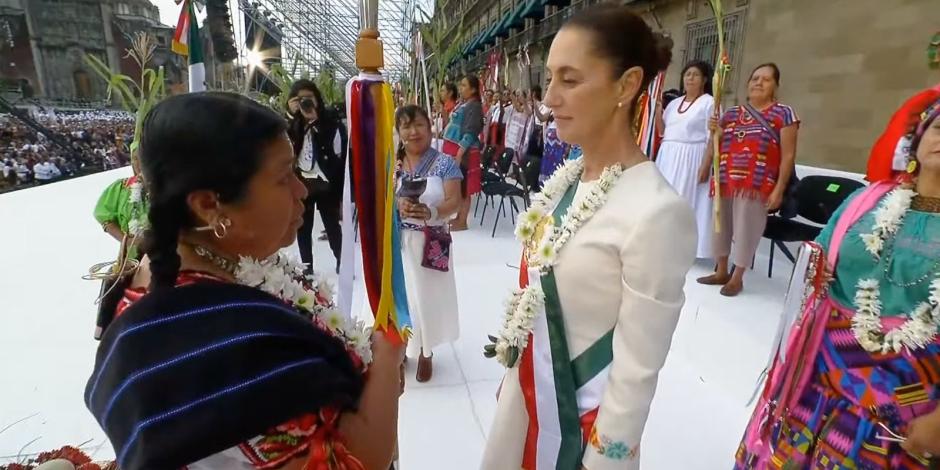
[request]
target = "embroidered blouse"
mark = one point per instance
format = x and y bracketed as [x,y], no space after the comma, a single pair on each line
[749,164]
[114,205]
[437,168]
[912,255]
[466,123]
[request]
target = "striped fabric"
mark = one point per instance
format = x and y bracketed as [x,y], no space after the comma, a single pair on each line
[372,171]
[853,393]
[750,155]
[562,394]
[188,372]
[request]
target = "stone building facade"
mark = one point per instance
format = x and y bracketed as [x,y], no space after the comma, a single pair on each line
[846,64]
[43,42]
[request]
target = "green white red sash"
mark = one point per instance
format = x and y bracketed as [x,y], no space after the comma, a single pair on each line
[562,395]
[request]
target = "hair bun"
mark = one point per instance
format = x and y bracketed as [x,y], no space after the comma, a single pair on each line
[662,50]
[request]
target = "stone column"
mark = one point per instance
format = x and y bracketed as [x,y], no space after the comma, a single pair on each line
[34,44]
[114,55]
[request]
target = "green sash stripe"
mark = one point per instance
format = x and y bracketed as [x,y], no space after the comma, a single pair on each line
[569,455]
[593,360]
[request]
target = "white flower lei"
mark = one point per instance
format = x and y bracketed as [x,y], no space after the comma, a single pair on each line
[888,218]
[138,222]
[915,333]
[921,329]
[542,241]
[282,276]
[536,228]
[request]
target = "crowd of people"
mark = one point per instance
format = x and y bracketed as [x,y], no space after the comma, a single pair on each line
[608,240]
[82,143]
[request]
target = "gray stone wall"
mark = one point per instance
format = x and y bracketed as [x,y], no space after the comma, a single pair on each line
[846,64]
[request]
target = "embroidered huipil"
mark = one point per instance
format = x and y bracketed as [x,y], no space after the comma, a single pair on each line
[749,164]
[465,124]
[114,205]
[910,255]
[437,168]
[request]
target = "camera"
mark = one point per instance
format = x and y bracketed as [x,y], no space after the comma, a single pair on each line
[308,104]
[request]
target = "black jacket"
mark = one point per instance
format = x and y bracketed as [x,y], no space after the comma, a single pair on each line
[324,133]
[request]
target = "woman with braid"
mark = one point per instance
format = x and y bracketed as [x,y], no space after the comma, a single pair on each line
[222,355]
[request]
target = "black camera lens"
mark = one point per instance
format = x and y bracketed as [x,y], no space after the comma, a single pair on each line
[308,104]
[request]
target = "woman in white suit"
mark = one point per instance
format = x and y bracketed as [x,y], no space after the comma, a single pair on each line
[608,244]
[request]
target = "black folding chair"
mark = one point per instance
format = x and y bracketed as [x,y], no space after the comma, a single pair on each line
[504,189]
[817,198]
[486,162]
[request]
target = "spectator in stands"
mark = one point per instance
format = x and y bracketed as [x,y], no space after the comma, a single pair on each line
[95,141]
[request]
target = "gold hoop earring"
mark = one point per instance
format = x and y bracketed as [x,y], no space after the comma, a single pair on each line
[220,228]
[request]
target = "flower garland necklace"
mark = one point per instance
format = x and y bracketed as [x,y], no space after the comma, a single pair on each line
[283,277]
[921,329]
[138,223]
[542,241]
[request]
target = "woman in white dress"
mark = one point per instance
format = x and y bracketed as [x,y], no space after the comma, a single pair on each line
[608,244]
[681,159]
[429,196]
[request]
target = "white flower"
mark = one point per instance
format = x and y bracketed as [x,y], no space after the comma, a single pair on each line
[888,218]
[325,288]
[334,320]
[250,273]
[135,227]
[304,302]
[524,231]
[136,195]
[274,281]
[523,307]
[915,333]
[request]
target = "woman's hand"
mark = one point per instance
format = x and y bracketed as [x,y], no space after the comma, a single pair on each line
[418,211]
[385,353]
[293,105]
[774,201]
[923,437]
[405,205]
[713,123]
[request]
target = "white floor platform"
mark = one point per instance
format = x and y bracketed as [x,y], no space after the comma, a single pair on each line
[48,239]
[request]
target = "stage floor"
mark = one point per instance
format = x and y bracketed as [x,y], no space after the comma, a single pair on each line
[49,239]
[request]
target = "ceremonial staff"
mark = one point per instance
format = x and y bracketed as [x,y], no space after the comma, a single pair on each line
[370,185]
[722,68]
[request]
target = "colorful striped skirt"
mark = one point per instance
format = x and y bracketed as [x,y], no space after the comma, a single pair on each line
[852,397]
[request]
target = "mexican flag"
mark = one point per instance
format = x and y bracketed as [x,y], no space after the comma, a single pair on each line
[186,42]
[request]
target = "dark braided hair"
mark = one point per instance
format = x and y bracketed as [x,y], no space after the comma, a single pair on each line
[197,141]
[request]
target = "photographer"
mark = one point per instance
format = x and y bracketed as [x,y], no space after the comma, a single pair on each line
[319,140]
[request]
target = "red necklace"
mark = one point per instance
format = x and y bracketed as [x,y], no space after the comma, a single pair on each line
[683,111]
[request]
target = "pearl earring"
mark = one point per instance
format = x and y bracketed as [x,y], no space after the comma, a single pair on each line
[620,104]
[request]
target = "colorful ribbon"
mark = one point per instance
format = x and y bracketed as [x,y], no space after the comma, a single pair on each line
[372,167]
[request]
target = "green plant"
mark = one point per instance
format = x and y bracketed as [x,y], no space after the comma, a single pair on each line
[136,97]
[330,88]
[434,33]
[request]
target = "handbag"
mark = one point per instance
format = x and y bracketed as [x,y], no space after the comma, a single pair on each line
[789,207]
[437,241]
